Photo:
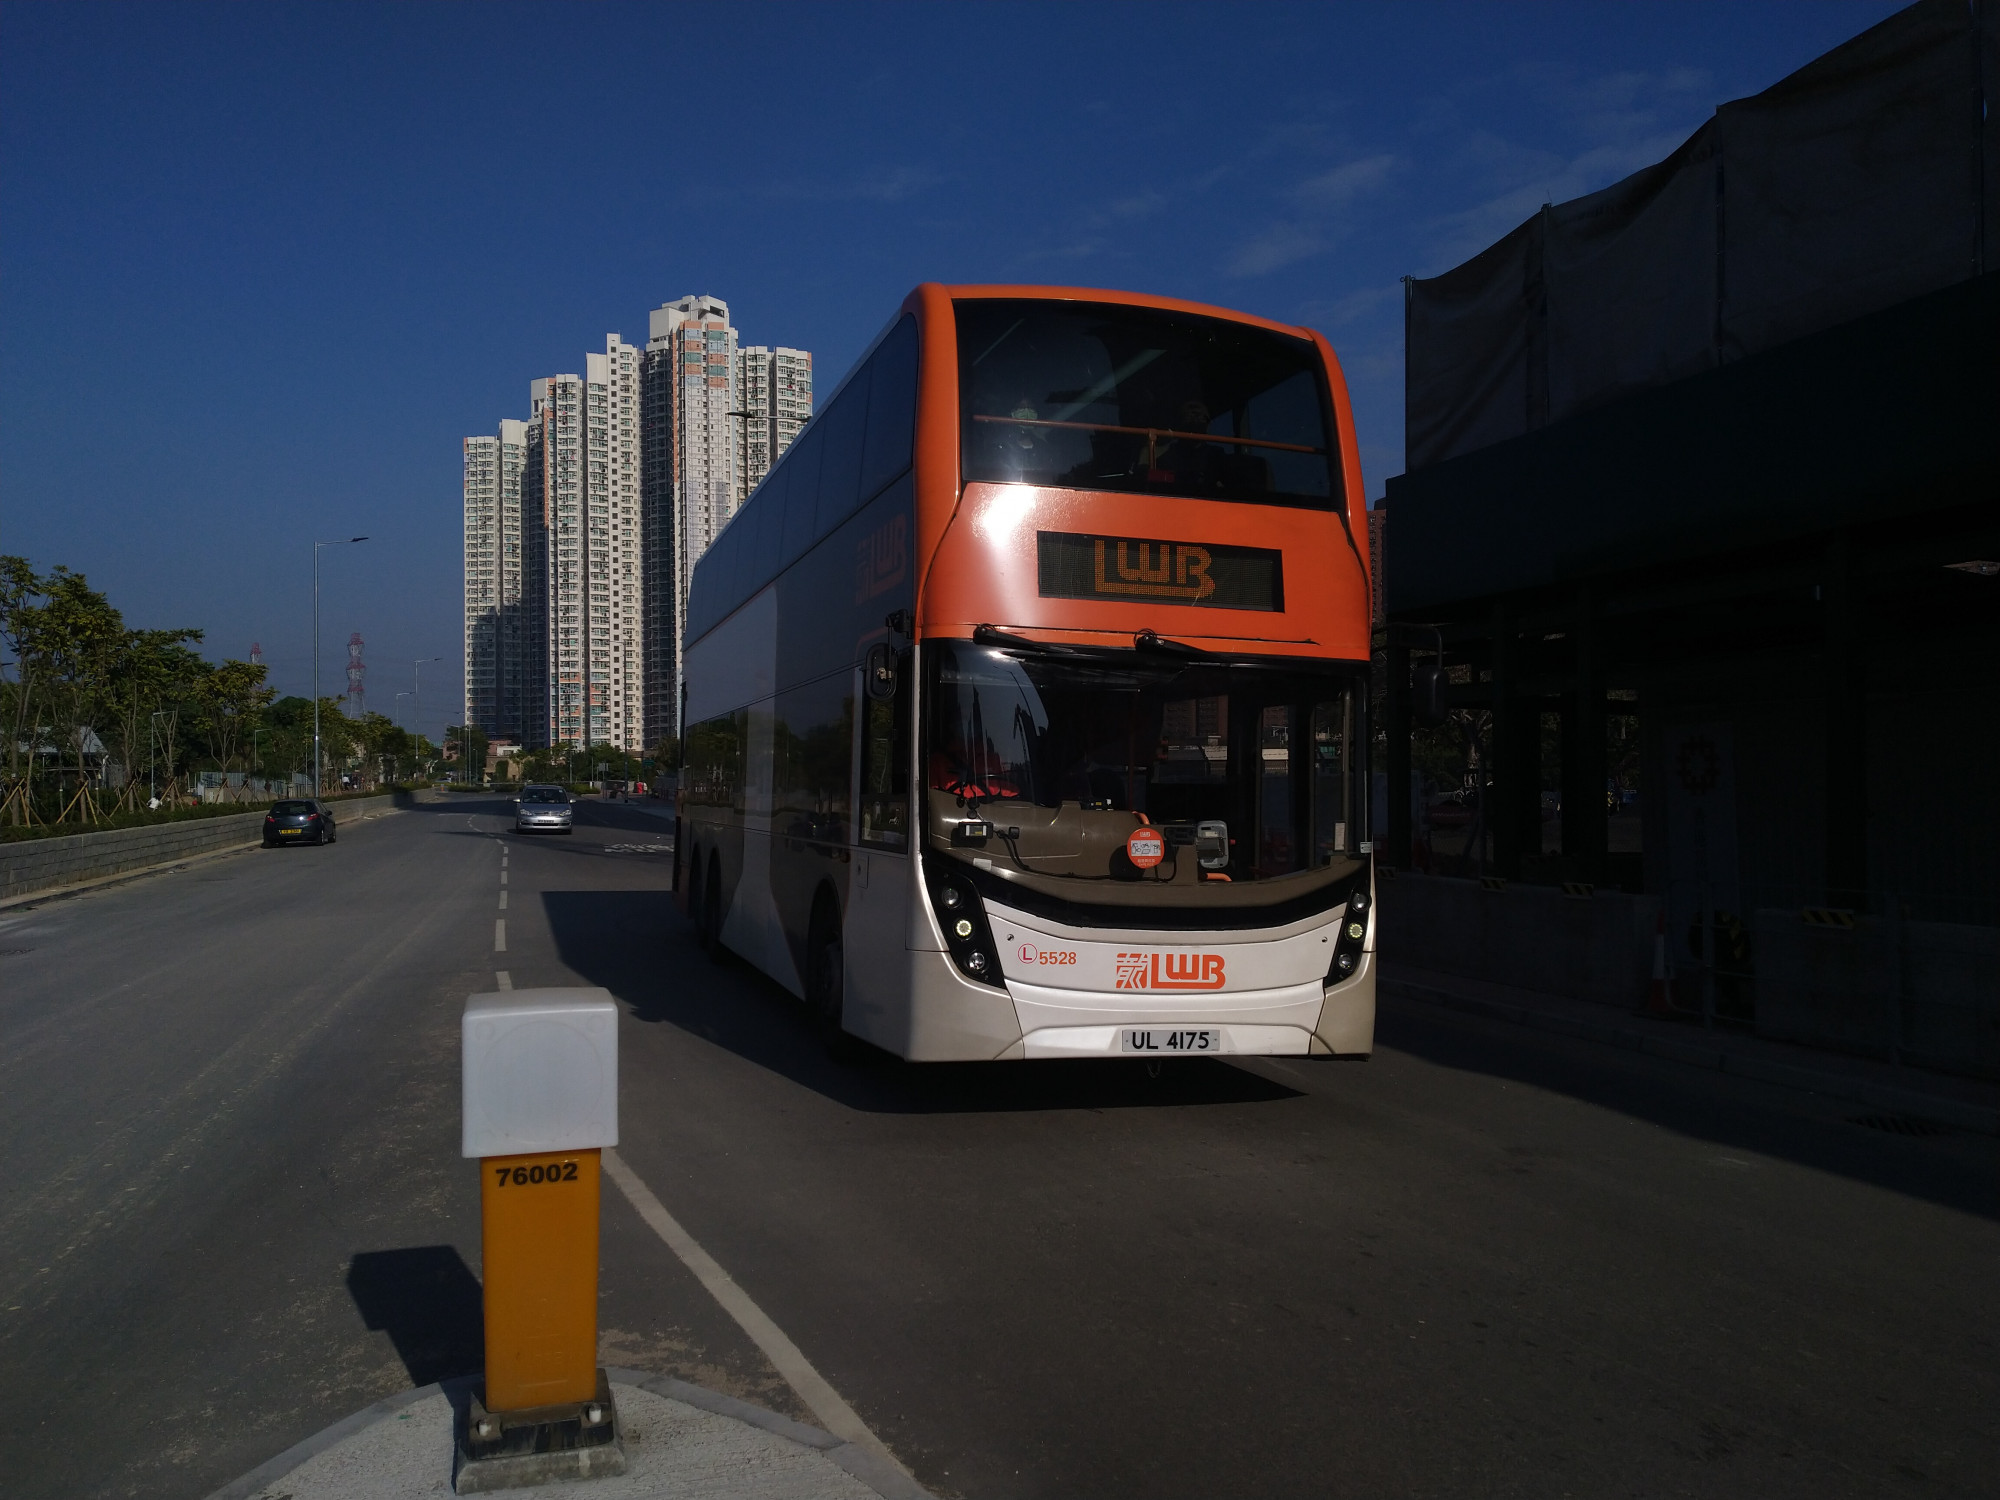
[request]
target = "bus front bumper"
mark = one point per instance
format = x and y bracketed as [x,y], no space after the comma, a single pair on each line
[1298,1021]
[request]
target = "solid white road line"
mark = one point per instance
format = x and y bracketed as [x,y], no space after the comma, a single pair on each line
[503,901]
[499,934]
[502,980]
[825,1403]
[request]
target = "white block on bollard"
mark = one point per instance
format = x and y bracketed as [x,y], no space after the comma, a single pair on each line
[540,1071]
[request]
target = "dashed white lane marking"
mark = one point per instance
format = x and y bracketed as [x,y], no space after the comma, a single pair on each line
[499,934]
[825,1403]
[502,980]
[503,872]
[503,901]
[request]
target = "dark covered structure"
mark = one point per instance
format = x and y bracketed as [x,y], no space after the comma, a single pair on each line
[1704,511]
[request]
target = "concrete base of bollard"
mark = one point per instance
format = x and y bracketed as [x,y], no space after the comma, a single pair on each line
[509,1450]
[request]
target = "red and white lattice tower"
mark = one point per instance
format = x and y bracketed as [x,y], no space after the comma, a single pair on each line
[256,654]
[356,669]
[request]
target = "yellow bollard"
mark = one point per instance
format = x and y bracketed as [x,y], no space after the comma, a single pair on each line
[541,1101]
[538,1229]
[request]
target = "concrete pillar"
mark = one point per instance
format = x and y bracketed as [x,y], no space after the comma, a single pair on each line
[1514,722]
[1583,767]
[1393,846]
[1846,706]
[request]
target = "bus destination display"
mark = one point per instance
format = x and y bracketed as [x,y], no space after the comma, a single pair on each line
[1078,566]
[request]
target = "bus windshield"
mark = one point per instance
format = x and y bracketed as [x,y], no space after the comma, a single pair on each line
[1103,397]
[1042,766]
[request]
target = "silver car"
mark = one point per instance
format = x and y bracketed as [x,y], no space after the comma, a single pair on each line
[543,809]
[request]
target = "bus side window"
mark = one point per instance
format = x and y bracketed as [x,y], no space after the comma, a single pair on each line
[885,756]
[801,495]
[892,409]
[845,429]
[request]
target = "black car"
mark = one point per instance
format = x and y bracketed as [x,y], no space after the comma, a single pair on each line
[299,820]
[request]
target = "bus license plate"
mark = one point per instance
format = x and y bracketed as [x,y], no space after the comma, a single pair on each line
[1159,1042]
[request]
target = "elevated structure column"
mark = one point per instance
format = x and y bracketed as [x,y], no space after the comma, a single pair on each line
[1393,847]
[1584,821]
[1844,689]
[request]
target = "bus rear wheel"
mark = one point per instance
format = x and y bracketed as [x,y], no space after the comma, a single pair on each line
[711,911]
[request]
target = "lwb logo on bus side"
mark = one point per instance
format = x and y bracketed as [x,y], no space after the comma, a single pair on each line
[881,559]
[1170,971]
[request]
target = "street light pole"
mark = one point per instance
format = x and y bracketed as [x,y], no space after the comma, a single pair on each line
[336,542]
[417,687]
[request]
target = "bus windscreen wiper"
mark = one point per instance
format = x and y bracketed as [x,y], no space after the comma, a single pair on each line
[990,635]
[1147,640]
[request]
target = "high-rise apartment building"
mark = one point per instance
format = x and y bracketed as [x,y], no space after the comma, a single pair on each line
[588,494]
[691,479]
[774,393]
[497,640]
[583,525]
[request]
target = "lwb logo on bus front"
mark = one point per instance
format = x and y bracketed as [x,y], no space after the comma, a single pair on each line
[1170,971]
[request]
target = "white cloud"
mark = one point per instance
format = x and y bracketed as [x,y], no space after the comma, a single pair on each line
[1341,311]
[1344,184]
[883,185]
[1306,232]
[1279,245]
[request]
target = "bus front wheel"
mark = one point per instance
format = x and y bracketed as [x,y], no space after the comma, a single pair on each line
[826,975]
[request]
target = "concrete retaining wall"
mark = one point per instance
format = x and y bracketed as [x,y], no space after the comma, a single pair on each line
[43,864]
[1598,947]
[1929,989]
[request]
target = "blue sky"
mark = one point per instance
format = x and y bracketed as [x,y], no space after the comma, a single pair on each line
[263,267]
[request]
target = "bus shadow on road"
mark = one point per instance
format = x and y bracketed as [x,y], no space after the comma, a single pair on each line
[1951,1168]
[637,945]
[428,1301]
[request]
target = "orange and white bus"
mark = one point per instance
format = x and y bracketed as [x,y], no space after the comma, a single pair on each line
[1025,700]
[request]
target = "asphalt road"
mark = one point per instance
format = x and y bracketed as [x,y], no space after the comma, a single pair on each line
[1488,1262]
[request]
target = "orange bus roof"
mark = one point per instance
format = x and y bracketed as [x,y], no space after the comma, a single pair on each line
[1128,299]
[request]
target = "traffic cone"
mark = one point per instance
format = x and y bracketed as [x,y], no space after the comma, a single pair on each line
[1658,1001]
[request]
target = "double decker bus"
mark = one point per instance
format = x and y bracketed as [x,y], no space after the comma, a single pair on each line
[1025,701]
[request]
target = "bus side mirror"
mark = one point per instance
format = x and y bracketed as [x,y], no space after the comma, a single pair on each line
[1427,705]
[878,673]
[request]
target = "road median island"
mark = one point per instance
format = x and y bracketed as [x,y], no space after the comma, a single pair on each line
[36,869]
[681,1439]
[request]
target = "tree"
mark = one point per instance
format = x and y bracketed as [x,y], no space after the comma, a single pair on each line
[20,591]
[74,637]
[232,699]
[154,674]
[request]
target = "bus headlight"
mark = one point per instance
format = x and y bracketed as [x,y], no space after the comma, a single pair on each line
[962,920]
[1350,935]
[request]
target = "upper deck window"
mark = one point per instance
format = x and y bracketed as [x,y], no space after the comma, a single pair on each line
[1104,397]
